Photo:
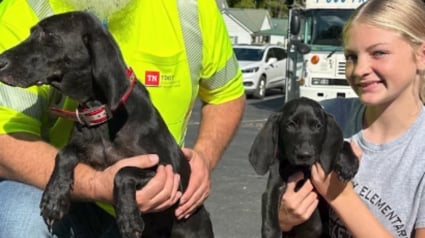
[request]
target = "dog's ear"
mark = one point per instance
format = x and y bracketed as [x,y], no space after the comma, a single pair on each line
[332,144]
[263,150]
[105,56]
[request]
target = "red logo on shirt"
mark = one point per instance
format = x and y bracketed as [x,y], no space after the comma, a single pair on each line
[152,78]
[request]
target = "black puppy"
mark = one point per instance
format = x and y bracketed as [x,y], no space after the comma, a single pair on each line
[292,140]
[74,54]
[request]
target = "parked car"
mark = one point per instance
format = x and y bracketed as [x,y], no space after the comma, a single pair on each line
[263,67]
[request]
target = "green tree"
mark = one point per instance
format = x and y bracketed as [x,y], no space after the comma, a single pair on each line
[276,8]
[244,4]
[232,3]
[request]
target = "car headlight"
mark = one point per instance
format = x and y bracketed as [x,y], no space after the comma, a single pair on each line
[250,70]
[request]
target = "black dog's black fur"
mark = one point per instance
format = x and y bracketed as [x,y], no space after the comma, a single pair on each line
[292,140]
[73,53]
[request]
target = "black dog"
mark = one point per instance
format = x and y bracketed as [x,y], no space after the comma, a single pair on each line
[73,53]
[292,140]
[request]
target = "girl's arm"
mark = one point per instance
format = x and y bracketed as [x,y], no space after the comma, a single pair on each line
[420,233]
[347,205]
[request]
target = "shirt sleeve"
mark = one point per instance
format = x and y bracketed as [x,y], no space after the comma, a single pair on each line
[221,77]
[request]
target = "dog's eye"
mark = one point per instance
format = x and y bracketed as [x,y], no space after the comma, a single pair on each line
[317,125]
[291,125]
[49,37]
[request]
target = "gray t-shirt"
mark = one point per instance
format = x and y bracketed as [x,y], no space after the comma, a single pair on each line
[391,177]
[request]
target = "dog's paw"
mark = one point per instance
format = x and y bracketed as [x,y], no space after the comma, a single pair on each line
[345,175]
[347,165]
[347,170]
[54,206]
[130,225]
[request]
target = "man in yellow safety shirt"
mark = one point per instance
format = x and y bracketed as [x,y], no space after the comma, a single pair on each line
[180,50]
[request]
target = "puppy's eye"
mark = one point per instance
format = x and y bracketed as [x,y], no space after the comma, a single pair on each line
[49,37]
[317,125]
[291,125]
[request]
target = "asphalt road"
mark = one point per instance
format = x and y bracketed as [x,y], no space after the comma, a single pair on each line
[235,200]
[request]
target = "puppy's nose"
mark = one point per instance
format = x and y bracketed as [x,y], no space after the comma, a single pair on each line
[305,156]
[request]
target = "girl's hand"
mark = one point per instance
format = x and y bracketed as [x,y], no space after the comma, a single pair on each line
[297,206]
[328,185]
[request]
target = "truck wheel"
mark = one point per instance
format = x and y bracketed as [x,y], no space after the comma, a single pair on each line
[260,91]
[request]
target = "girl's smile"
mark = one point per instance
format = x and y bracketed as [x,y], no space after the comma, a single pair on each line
[374,63]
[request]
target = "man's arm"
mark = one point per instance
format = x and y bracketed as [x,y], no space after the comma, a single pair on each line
[357,217]
[25,158]
[219,124]
[420,233]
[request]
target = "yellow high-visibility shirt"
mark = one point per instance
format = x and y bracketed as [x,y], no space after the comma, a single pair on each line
[178,49]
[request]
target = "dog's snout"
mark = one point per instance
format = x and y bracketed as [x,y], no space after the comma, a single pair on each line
[305,152]
[305,156]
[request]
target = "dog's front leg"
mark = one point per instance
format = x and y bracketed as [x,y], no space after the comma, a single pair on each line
[270,204]
[128,216]
[56,198]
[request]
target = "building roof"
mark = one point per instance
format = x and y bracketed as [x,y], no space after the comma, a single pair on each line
[251,18]
[279,28]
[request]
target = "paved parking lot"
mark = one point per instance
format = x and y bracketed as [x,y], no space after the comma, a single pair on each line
[234,203]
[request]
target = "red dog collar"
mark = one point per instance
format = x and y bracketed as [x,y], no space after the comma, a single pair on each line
[95,115]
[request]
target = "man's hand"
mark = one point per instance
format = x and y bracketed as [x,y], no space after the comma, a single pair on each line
[158,194]
[161,192]
[199,186]
[297,206]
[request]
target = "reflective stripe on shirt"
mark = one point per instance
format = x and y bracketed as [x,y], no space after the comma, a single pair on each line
[18,98]
[221,77]
[41,8]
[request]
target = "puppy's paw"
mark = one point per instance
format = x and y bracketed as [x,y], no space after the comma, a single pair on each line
[345,174]
[347,165]
[130,225]
[54,206]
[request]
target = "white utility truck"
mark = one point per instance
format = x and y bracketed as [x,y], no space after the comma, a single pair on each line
[316,62]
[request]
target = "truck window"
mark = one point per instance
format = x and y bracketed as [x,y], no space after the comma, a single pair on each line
[326,27]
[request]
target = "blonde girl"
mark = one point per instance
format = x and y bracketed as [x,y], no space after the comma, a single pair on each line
[384,44]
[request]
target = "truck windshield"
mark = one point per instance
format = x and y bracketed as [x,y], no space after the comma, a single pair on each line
[324,27]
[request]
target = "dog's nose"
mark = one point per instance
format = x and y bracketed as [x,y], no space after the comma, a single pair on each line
[305,156]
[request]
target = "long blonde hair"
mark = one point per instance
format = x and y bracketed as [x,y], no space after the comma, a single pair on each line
[405,17]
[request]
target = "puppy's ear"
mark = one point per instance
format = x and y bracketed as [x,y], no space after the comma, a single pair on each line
[263,150]
[332,144]
[106,59]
